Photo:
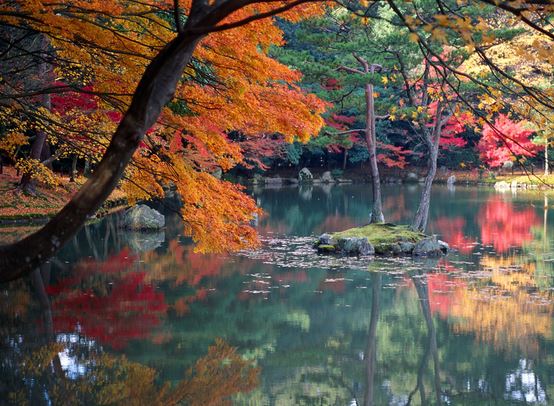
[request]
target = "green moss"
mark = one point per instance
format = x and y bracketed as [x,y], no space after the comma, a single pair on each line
[381,234]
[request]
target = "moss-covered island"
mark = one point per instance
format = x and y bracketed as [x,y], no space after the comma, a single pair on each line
[380,239]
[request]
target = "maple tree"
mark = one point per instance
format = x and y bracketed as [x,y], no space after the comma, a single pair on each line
[505,141]
[232,71]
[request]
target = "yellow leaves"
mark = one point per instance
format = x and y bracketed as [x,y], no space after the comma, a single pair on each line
[384,80]
[38,171]
[11,142]
[413,37]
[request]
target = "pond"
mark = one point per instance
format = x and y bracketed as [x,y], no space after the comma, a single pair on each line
[118,314]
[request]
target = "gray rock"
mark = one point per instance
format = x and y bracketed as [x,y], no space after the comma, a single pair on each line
[451,180]
[326,177]
[508,165]
[324,239]
[444,246]
[502,185]
[355,246]
[217,173]
[428,247]
[258,179]
[142,217]
[412,177]
[406,247]
[305,176]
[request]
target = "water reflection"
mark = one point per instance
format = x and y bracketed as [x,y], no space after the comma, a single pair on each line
[122,316]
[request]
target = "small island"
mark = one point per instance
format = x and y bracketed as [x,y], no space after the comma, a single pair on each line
[383,239]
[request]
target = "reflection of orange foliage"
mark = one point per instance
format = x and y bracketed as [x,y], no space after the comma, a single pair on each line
[452,231]
[505,312]
[333,285]
[503,226]
[395,209]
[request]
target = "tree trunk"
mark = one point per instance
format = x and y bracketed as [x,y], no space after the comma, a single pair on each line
[546,169]
[73,174]
[155,89]
[344,159]
[422,214]
[376,215]
[45,70]
[46,155]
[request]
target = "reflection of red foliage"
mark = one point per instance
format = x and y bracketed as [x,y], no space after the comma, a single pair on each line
[503,226]
[441,290]
[452,231]
[126,309]
[296,276]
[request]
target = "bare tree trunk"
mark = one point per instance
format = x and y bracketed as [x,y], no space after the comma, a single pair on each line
[26,183]
[376,215]
[546,169]
[422,214]
[344,160]
[73,174]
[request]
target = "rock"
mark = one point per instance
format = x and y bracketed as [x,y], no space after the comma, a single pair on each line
[508,165]
[355,246]
[324,239]
[217,173]
[451,180]
[326,177]
[305,176]
[444,247]
[513,184]
[502,185]
[421,180]
[406,247]
[428,247]
[258,179]
[142,217]
[412,177]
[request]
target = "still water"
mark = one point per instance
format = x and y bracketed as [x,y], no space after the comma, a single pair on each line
[128,318]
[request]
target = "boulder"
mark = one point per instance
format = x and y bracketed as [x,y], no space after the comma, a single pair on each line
[451,180]
[326,177]
[428,247]
[412,177]
[502,185]
[406,247]
[142,217]
[258,179]
[305,176]
[444,247]
[323,239]
[355,246]
[217,173]
[508,165]
[514,184]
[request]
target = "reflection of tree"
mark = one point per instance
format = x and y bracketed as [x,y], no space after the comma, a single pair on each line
[506,309]
[423,295]
[371,350]
[107,301]
[115,380]
[451,230]
[503,226]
